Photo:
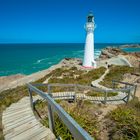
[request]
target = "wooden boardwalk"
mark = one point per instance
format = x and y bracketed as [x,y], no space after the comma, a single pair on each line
[70,95]
[19,123]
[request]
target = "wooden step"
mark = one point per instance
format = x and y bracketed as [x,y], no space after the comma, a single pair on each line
[19,123]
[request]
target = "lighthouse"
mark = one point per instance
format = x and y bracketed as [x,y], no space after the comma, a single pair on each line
[89,61]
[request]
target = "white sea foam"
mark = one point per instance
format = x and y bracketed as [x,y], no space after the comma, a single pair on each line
[40,60]
[49,62]
[97,53]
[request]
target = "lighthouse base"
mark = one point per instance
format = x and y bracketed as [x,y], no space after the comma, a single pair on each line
[94,65]
[88,67]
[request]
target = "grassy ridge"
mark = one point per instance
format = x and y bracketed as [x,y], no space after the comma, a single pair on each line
[115,73]
[74,76]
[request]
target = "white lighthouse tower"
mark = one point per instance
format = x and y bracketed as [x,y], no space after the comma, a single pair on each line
[89,61]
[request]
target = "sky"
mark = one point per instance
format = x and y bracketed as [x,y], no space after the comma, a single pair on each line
[62,21]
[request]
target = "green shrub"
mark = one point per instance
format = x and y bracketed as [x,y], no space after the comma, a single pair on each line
[125,122]
[82,112]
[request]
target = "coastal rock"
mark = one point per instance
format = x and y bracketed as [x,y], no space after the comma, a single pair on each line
[110,52]
[138,81]
[130,46]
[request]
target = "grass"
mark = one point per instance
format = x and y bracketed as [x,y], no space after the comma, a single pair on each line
[69,76]
[125,119]
[101,94]
[115,73]
[124,122]
[13,95]
[82,111]
[82,78]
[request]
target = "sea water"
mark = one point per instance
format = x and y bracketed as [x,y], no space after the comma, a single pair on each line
[30,58]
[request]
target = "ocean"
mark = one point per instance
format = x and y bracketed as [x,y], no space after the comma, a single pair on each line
[30,58]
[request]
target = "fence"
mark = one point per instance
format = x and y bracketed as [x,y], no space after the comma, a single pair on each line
[75,91]
[75,129]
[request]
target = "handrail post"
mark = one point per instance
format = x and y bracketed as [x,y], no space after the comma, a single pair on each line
[31,99]
[113,84]
[128,96]
[125,86]
[105,97]
[135,89]
[50,113]
[75,89]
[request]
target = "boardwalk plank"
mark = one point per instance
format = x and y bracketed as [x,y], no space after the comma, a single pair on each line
[19,123]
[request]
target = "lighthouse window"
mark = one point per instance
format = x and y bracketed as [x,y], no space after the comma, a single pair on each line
[90,19]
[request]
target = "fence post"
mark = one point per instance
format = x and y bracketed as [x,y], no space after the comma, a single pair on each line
[113,84]
[75,89]
[135,88]
[105,97]
[31,99]
[50,113]
[128,96]
[125,86]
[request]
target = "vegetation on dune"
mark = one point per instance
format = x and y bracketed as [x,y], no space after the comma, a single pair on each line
[75,76]
[13,95]
[82,111]
[124,122]
[116,73]
[101,94]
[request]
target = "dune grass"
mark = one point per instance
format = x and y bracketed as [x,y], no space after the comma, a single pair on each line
[82,111]
[82,77]
[13,95]
[75,76]
[124,122]
[115,73]
[101,94]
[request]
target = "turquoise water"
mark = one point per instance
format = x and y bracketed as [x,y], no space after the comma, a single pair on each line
[30,58]
[132,49]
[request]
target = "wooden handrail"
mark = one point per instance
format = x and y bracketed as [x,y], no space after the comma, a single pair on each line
[77,131]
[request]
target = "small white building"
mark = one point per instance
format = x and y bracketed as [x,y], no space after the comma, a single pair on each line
[89,61]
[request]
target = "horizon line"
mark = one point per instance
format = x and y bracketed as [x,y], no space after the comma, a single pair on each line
[68,43]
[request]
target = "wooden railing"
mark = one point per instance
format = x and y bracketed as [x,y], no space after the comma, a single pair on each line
[133,87]
[128,89]
[76,130]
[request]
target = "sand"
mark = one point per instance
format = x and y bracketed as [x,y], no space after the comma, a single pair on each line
[14,81]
